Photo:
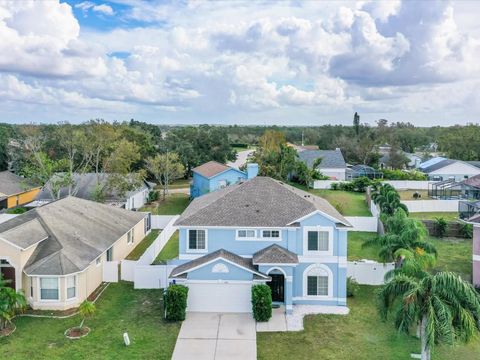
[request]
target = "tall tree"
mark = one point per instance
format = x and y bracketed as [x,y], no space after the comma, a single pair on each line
[356,123]
[165,168]
[446,307]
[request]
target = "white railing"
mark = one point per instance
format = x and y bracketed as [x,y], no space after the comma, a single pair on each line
[431,205]
[368,272]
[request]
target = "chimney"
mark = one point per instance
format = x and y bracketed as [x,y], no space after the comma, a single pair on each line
[252,170]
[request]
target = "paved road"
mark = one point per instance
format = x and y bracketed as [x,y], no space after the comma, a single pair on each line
[242,157]
[216,336]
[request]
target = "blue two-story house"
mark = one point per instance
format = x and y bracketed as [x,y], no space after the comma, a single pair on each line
[262,231]
[213,175]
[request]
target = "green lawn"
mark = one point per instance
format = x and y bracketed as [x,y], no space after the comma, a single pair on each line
[408,194]
[173,204]
[355,241]
[361,335]
[449,216]
[346,202]
[169,251]
[178,184]
[143,245]
[119,309]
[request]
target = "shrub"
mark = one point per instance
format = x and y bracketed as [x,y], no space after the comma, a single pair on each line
[153,196]
[441,227]
[175,302]
[334,186]
[352,287]
[261,302]
[360,184]
[403,175]
[19,210]
[467,230]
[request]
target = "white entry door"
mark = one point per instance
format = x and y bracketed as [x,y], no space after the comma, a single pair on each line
[219,297]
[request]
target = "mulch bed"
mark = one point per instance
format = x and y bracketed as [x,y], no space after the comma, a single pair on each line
[97,291]
[8,330]
[77,333]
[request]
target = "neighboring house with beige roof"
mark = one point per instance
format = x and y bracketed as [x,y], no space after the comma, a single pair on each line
[15,190]
[56,253]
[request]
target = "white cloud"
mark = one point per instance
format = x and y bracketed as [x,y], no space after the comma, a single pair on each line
[209,60]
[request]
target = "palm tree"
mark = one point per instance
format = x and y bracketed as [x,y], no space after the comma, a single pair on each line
[11,301]
[86,309]
[388,199]
[404,242]
[446,307]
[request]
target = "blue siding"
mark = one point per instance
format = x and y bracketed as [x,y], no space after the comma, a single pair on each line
[202,185]
[234,273]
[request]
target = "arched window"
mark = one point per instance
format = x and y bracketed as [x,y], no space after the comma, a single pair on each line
[318,281]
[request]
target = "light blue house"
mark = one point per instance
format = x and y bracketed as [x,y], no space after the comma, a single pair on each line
[262,231]
[212,176]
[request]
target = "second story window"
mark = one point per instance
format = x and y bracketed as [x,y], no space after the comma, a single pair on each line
[246,234]
[196,240]
[318,241]
[271,234]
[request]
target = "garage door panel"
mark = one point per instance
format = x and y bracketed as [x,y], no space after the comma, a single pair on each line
[219,297]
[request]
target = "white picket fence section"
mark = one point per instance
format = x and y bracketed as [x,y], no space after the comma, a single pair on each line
[367,272]
[161,221]
[363,223]
[110,271]
[127,272]
[431,205]
[152,276]
[397,184]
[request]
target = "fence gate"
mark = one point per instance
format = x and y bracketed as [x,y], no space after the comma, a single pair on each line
[110,271]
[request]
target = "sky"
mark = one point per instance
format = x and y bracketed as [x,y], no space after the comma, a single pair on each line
[236,62]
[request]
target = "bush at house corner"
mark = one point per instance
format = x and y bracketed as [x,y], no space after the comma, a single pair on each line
[175,300]
[261,302]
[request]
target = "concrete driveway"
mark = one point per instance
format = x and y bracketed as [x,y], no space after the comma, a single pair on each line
[216,336]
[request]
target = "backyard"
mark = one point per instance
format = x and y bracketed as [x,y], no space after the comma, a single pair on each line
[173,204]
[169,251]
[346,202]
[120,308]
[143,245]
[449,216]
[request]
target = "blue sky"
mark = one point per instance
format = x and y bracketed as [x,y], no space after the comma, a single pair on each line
[226,62]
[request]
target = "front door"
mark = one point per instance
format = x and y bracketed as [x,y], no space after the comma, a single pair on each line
[278,287]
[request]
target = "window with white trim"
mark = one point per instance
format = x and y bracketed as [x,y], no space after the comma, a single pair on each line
[49,288]
[196,240]
[317,282]
[271,234]
[246,234]
[71,287]
[318,241]
[130,237]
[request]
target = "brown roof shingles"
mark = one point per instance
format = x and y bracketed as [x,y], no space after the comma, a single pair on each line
[210,169]
[274,254]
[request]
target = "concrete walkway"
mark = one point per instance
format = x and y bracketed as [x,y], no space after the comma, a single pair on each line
[216,336]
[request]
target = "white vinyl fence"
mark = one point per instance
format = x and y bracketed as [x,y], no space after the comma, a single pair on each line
[363,223]
[368,272]
[141,272]
[110,271]
[153,250]
[431,205]
[161,221]
[397,184]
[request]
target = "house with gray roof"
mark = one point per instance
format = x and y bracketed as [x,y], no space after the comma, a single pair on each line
[15,190]
[85,186]
[262,231]
[442,169]
[328,162]
[57,253]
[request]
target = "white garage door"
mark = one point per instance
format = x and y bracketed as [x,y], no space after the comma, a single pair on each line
[224,297]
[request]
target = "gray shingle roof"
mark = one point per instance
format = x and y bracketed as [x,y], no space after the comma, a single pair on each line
[274,254]
[259,202]
[78,232]
[11,184]
[474,163]
[331,159]
[219,254]
[438,165]
[210,169]
[85,185]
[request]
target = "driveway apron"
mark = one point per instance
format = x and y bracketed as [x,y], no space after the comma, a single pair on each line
[216,336]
